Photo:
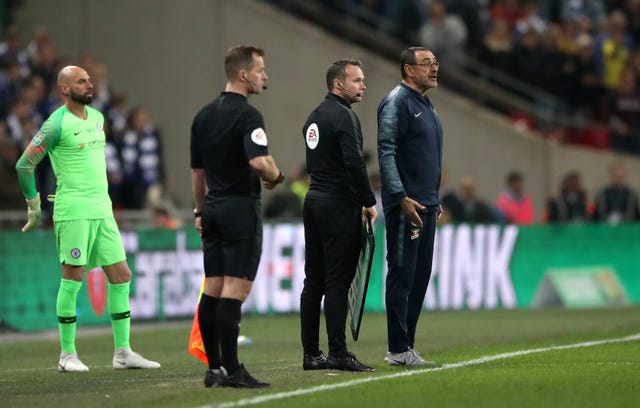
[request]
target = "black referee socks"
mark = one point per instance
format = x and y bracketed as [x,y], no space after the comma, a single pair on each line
[207,318]
[228,318]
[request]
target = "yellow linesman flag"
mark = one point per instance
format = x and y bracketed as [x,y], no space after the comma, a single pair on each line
[196,347]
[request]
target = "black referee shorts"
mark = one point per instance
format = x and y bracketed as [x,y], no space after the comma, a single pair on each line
[232,236]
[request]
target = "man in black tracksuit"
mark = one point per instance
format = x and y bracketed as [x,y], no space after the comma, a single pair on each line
[410,157]
[229,158]
[338,198]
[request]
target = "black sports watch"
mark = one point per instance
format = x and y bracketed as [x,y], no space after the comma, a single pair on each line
[197,213]
[279,179]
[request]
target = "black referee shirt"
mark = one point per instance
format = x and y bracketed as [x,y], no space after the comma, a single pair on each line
[225,135]
[333,139]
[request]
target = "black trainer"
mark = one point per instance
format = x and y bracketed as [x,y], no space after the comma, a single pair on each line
[349,362]
[241,379]
[318,362]
[212,379]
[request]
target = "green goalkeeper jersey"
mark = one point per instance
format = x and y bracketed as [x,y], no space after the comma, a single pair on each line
[76,148]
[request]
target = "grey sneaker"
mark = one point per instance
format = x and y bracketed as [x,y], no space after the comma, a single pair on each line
[409,358]
[70,363]
[124,358]
[419,357]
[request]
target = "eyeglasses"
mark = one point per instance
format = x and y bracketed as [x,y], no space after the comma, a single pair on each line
[429,64]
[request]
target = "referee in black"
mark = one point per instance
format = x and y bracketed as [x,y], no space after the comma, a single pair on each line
[229,156]
[334,209]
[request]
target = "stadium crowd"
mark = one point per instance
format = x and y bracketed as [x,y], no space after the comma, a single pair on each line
[615,202]
[28,94]
[584,53]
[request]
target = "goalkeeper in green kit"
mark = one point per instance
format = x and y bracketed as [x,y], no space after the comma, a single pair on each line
[86,232]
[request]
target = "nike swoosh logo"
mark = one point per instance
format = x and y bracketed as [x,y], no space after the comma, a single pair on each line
[417,114]
[78,132]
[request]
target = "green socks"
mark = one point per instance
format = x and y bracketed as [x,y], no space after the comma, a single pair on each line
[118,304]
[66,311]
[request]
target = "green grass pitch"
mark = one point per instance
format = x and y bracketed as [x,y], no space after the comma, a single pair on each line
[603,375]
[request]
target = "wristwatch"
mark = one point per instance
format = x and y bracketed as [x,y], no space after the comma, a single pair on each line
[280,179]
[197,213]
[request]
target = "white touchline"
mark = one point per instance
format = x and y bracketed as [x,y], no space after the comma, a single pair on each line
[481,360]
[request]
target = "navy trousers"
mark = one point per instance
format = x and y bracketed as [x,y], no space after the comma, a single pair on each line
[409,260]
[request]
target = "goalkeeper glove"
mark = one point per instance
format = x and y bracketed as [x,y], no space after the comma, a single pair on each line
[33,213]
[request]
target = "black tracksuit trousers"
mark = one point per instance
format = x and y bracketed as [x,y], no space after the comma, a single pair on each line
[333,238]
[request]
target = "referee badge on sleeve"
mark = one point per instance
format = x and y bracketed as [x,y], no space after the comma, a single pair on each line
[259,137]
[313,136]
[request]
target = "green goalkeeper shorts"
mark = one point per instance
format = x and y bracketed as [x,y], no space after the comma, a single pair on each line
[89,243]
